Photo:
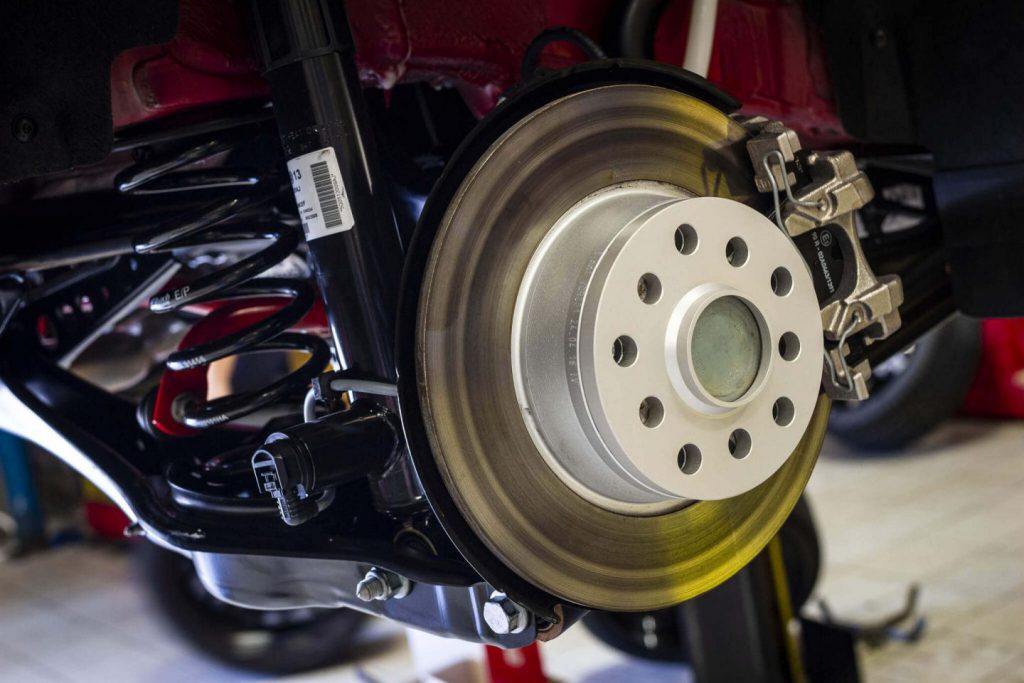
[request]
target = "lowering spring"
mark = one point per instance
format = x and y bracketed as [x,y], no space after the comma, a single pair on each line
[232,219]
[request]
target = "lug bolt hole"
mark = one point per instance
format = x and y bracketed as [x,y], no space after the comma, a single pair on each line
[686,239]
[648,288]
[789,346]
[624,351]
[689,459]
[739,444]
[736,252]
[652,412]
[782,281]
[783,412]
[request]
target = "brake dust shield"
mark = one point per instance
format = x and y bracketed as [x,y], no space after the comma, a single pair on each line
[511,498]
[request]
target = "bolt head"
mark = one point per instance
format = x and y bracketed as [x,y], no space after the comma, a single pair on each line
[503,616]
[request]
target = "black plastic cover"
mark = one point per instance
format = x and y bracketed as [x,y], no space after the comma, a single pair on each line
[55,58]
[945,75]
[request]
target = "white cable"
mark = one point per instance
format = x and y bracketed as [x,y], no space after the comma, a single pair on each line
[364,386]
[701,38]
[309,406]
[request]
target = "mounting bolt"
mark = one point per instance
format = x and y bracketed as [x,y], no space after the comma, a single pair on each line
[24,128]
[380,584]
[503,616]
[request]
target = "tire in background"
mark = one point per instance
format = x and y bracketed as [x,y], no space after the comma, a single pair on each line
[910,403]
[277,642]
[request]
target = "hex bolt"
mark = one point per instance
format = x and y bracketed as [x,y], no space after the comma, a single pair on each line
[380,584]
[503,616]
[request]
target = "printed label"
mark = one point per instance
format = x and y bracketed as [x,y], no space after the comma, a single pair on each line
[320,194]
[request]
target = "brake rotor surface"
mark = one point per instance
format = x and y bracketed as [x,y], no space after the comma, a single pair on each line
[514,501]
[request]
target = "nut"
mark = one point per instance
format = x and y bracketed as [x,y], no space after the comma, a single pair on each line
[379,584]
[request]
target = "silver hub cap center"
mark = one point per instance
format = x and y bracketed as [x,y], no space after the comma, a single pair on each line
[666,348]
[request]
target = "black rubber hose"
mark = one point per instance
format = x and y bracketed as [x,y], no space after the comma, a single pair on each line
[638,27]
[531,58]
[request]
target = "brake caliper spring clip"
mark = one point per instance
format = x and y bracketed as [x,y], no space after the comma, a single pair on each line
[776,194]
[844,376]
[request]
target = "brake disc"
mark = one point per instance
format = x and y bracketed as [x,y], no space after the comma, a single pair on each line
[617,359]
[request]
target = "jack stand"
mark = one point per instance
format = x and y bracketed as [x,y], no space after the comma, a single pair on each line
[443,660]
[745,630]
[515,666]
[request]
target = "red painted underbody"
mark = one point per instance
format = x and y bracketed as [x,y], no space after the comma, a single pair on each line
[766,54]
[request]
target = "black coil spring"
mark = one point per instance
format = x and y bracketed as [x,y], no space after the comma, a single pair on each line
[238,280]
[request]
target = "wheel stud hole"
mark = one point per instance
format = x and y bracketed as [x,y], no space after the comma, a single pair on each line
[689,459]
[782,281]
[624,351]
[736,252]
[789,346]
[686,239]
[648,288]
[783,412]
[652,412]
[739,444]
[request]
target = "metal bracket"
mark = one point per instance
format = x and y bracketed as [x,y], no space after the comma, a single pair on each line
[864,305]
[905,625]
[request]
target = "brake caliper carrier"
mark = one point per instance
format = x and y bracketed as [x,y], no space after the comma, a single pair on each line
[822,192]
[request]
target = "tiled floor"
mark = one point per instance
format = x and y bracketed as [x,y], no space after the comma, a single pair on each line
[949,515]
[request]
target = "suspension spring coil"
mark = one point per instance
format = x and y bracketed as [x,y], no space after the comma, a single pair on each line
[218,223]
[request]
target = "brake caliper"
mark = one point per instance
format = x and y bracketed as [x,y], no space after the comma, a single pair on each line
[816,195]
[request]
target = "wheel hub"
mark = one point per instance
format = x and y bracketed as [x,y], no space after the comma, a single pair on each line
[540,342]
[657,348]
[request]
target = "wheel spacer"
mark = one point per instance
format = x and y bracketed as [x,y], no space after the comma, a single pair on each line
[665,348]
[510,496]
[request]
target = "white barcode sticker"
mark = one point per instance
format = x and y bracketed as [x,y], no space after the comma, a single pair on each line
[320,194]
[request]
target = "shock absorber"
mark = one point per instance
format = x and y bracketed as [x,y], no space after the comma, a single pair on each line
[309,59]
[308,54]
[223,222]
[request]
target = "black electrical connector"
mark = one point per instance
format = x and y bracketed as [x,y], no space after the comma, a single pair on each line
[295,464]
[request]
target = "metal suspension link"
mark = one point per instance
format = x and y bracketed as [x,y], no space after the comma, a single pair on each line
[826,189]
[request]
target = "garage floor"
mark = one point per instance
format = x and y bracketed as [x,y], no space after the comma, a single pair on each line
[948,515]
